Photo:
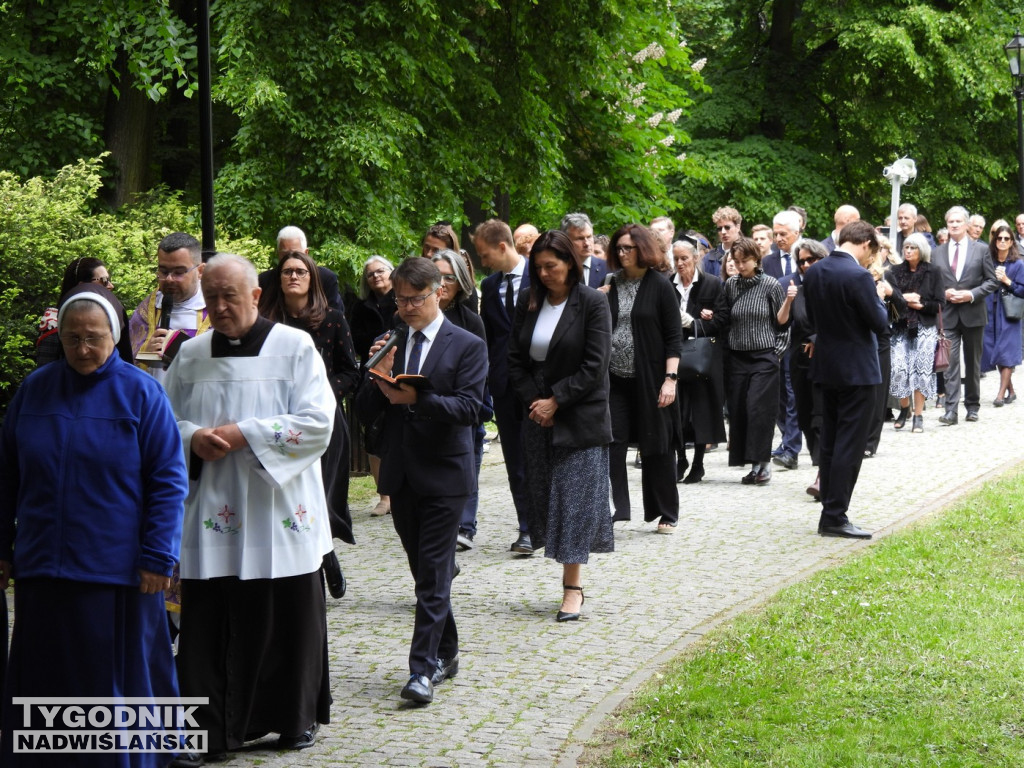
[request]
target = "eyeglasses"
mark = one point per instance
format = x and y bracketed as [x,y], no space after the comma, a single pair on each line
[295,272]
[74,341]
[625,248]
[1003,239]
[412,301]
[448,279]
[174,274]
[809,260]
[376,273]
[724,227]
[104,281]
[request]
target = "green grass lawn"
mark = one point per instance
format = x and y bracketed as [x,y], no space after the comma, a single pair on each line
[907,655]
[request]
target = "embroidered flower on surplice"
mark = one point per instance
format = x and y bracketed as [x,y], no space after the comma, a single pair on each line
[224,523]
[280,442]
[297,522]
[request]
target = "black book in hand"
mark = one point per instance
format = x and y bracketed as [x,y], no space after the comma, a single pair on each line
[414,380]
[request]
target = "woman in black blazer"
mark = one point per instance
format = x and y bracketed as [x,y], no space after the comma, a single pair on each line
[558,363]
[704,313]
[646,340]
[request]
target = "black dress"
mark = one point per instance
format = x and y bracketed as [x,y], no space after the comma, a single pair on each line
[334,343]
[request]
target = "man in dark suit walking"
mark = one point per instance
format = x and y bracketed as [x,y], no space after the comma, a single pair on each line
[579,229]
[847,316]
[499,293]
[294,239]
[968,276]
[427,463]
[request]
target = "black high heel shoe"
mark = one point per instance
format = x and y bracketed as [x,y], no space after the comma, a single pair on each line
[565,615]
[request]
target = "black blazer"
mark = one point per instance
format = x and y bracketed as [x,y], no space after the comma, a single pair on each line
[370,320]
[657,336]
[933,295]
[706,294]
[847,317]
[598,272]
[430,445]
[575,371]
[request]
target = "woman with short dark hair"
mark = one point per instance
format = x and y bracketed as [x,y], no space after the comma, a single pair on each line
[757,341]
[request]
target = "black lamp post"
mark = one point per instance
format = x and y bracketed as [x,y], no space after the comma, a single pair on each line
[206,130]
[1013,50]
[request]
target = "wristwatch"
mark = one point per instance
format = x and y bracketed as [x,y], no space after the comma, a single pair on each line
[673,376]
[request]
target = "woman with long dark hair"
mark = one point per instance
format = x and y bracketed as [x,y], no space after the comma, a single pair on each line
[646,341]
[295,297]
[1002,343]
[558,362]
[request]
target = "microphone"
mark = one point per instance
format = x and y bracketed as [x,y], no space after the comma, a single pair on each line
[166,307]
[396,335]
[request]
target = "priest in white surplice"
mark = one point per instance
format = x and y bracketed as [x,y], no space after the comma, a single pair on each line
[255,411]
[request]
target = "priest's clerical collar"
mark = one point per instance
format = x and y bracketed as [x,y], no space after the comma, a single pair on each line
[249,345]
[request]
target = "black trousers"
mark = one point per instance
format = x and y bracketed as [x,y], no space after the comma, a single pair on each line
[508,414]
[846,421]
[657,470]
[808,409]
[428,527]
[753,406]
[881,401]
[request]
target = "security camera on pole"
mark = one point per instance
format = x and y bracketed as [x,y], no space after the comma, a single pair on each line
[903,171]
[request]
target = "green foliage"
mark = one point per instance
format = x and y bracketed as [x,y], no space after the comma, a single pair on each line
[45,224]
[63,60]
[811,99]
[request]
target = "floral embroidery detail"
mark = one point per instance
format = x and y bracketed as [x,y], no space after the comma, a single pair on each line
[301,526]
[280,441]
[224,526]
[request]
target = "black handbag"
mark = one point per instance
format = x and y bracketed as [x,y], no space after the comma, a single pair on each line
[1013,306]
[697,359]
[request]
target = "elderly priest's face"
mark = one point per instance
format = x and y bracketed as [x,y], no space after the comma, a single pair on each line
[231,301]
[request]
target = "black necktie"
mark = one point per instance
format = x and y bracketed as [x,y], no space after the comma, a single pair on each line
[510,296]
[414,357]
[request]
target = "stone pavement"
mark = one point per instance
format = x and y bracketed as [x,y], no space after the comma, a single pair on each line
[530,691]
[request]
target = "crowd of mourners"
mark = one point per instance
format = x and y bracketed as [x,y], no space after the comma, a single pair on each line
[172,481]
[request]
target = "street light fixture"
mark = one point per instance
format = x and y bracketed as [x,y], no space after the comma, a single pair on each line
[1013,50]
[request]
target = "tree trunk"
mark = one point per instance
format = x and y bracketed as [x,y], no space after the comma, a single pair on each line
[128,133]
[779,81]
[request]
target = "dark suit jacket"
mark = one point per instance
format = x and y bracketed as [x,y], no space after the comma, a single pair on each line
[598,271]
[498,326]
[978,276]
[772,264]
[575,370]
[847,317]
[712,262]
[328,280]
[430,445]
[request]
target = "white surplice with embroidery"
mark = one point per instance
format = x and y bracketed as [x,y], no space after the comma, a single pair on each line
[259,512]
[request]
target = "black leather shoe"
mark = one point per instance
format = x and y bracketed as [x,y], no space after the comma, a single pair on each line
[523,545]
[335,578]
[567,615]
[188,760]
[972,414]
[695,476]
[419,689]
[786,460]
[446,668]
[304,740]
[463,542]
[751,476]
[844,531]
[949,419]
[764,476]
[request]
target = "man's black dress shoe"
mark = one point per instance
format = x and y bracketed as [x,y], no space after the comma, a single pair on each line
[844,531]
[523,545]
[196,760]
[419,689]
[949,418]
[464,541]
[446,668]
[304,740]
[335,578]
[764,476]
[972,414]
[751,476]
